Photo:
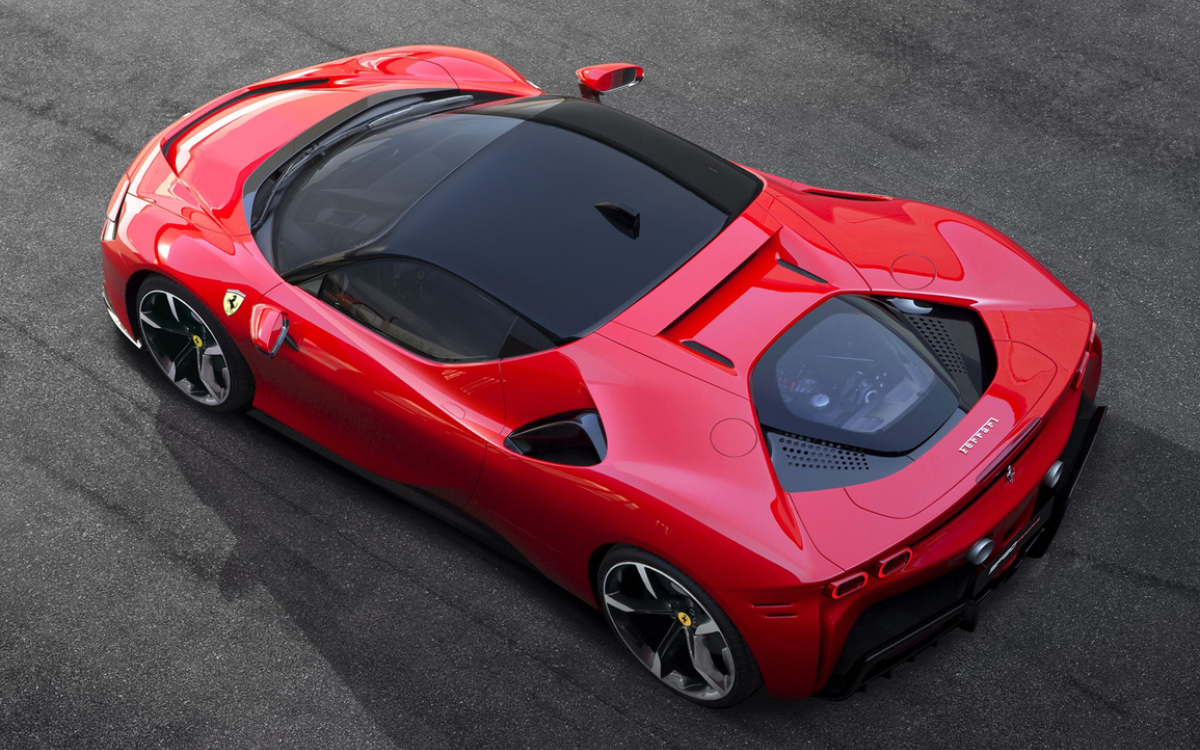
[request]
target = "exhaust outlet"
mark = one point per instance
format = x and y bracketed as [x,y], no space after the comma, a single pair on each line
[1053,475]
[980,551]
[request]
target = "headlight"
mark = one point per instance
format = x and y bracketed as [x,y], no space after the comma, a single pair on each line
[115,205]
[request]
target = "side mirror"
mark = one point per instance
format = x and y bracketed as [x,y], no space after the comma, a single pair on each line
[268,329]
[595,80]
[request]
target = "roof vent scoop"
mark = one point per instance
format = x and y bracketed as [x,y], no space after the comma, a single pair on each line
[704,351]
[624,218]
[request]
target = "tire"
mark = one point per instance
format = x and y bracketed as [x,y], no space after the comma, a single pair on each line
[191,347]
[675,629]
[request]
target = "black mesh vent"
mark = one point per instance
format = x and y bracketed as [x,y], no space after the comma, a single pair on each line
[934,331]
[806,453]
[803,463]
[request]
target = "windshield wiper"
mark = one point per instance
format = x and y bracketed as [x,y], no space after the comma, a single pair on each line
[305,157]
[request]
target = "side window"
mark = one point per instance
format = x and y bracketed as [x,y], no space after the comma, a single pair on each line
[420,307]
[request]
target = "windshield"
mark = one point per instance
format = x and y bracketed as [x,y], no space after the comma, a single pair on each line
[359,190]
[564,210]
[850,374]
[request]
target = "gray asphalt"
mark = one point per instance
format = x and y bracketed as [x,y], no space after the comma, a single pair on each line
[173,579]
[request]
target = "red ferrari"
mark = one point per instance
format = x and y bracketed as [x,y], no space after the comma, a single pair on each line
[782,436]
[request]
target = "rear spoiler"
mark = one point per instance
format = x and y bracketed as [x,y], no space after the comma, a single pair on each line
[230,99]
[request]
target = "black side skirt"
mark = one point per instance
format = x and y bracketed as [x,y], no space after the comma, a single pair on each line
[432,505]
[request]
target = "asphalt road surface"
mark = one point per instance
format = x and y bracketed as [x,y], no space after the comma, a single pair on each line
[170,578]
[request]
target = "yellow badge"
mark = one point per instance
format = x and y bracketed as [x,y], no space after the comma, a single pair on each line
[233,300]
[684,620]
[199,342]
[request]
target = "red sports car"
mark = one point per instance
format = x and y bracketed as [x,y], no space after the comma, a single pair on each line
[782,436]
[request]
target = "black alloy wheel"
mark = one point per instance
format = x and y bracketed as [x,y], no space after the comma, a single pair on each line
[191,347]
[675,629]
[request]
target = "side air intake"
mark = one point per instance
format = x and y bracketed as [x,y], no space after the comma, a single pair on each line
[575,439]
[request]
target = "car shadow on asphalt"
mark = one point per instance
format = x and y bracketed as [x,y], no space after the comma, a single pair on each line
[434,632]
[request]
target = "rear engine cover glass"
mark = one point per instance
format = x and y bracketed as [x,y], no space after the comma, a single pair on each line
[849,373]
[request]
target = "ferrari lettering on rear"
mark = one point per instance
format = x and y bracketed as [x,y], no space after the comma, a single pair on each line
[985,429]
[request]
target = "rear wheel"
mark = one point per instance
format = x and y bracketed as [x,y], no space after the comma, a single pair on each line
[675,629]
[191,348]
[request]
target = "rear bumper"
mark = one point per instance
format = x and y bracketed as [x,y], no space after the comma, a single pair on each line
[895,630]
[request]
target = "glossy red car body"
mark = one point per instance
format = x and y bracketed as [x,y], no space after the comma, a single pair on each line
[687,475]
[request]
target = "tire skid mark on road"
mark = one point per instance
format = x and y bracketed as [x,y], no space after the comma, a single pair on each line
[49,112]
[1162,583]
[288,22]
[1115,707]
[132,520]
[26,92]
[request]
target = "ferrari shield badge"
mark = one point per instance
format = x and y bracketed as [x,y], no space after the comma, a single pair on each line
[233,300]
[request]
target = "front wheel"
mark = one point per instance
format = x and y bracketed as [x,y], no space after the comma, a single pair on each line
[675,629]
[191,348]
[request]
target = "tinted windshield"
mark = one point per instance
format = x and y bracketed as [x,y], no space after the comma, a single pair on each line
[565,210]
[849,374]
[357,191]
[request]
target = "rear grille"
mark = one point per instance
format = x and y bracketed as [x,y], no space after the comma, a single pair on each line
[959,340]
[895,629]
[803,463]
[886,619]
[806,453]
[934,331]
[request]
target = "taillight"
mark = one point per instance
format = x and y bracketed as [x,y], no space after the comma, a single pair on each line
[1087,355]
[846,586]
[894,563]
[1091,373]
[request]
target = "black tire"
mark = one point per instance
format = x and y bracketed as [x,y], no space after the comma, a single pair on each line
[227,368]
[637,629]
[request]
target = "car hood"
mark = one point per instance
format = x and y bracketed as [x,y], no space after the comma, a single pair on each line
[199,165]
